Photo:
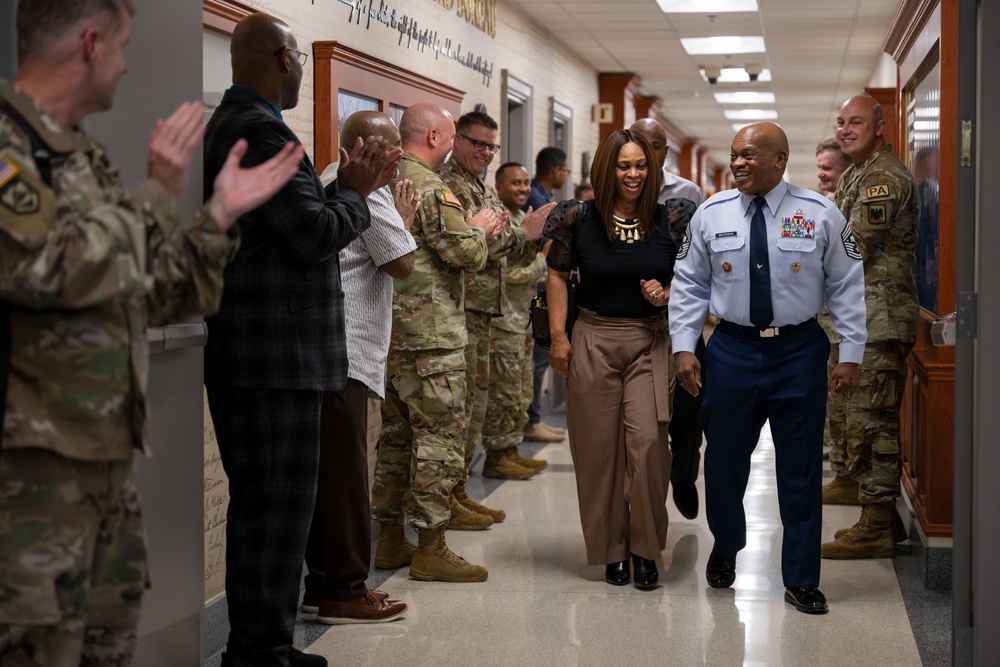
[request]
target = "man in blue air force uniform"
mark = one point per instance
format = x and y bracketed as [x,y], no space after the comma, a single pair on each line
[763,258]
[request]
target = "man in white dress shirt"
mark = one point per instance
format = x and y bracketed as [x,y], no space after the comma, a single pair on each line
[763,258]
[339,549]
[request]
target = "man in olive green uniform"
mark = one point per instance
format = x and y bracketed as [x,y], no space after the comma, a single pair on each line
[511,375]
[421,451]
[474,148]
[879,198]
[85,267]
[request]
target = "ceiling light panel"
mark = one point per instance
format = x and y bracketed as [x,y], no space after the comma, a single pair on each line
[738,75]
[750,114]
[722,45]
[744,97]
[706,6]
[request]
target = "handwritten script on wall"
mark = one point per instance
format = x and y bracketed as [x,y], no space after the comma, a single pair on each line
[216,505]
[480,13]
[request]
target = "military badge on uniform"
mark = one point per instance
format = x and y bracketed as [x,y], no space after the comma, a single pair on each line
[850,244]
[450,198]
[876,215]
[796,267]
[8,170]
[880,190]
[727,267]
[20,198]
[797,227]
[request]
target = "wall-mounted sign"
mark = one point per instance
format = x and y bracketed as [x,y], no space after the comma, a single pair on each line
[481,14]
[419,39]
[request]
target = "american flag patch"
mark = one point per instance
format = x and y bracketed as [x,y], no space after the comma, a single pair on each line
[8,170]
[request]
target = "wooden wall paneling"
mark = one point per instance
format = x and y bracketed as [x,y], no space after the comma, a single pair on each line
[223,15]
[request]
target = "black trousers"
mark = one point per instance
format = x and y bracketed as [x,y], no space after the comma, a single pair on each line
[685,430]
[339,549]
[269,444]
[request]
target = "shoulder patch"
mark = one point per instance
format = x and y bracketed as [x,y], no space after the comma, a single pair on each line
[20,198]
[450,198]
[685,245]
[850,244]
[8,170]
[880,190]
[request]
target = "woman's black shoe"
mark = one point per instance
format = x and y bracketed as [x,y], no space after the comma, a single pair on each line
[616,574]
[646,575]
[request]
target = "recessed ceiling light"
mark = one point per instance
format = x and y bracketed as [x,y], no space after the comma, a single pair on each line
[738,75]
[706,6]
[722,45]
[750,114]
[744,97]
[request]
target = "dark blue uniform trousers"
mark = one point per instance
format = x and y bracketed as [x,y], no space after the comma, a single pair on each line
[749,381]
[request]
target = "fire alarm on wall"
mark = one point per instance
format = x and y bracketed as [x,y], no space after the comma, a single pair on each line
[603,113]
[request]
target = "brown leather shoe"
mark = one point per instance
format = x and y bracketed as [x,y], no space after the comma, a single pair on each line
[368,608]
[311,600]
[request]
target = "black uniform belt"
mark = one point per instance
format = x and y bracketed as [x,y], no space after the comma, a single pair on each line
[754,332]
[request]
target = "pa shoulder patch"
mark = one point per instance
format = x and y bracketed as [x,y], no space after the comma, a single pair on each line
[850,243]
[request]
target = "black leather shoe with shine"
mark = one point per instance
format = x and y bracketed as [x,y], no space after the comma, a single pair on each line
[686,499]
[645,575]
[807,599]
[721,570]
[617,574]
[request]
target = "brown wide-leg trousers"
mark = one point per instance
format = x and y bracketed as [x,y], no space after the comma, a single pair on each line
[618,401]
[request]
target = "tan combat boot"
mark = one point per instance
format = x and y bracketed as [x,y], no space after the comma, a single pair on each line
[870,537]
[554,430]
[841,490]
[896,527]
[525,461]
[434,561]
[463,498]
[393,550]
[463,518]
[536,432]
[500,466]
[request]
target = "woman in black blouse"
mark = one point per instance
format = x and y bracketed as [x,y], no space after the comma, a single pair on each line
[620,370]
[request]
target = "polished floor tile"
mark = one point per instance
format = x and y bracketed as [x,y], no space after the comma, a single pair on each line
[543,605]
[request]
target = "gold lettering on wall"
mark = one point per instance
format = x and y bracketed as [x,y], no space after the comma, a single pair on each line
[481,14]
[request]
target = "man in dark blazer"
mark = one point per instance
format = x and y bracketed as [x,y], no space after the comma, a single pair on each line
[278,341]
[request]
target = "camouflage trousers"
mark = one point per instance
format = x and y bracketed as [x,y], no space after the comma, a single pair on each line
[511,389]
[72,560]
[420,452]
[864,426]
[477,377]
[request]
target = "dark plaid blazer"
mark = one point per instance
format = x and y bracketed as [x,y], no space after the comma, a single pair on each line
[281,324]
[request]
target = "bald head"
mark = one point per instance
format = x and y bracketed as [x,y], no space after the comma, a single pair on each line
[758,158]
[364,124]
[427,131]
[265,59]
[656,135]
[860,127]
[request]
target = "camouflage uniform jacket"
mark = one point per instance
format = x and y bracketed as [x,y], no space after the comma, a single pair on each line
[521,286]
[87,267]
[880,200]
[428,307]
[484,291]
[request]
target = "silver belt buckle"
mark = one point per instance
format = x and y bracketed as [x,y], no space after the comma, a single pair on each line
[769,332]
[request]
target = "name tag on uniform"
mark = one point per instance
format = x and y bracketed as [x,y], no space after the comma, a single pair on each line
[720,235]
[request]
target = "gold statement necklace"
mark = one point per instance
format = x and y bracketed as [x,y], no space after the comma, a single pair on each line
[628,230]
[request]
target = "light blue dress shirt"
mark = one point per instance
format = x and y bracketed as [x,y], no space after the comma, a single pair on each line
[813,255]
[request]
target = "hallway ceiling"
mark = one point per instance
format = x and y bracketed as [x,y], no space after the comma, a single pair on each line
[819,52]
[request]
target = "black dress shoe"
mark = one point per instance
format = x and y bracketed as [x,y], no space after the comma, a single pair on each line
[646,575]
[807,599]
[616,574]
[297,658]
[686,499]
[721,570]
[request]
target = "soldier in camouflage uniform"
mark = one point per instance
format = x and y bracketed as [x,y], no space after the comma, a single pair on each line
[511,381]
[421,452]
[474,148]
[878,196]
[85,267]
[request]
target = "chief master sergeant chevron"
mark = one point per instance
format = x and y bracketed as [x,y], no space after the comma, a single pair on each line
[763,258]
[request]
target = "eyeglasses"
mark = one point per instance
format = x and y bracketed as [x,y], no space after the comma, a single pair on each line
[303,57]
[481,145]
